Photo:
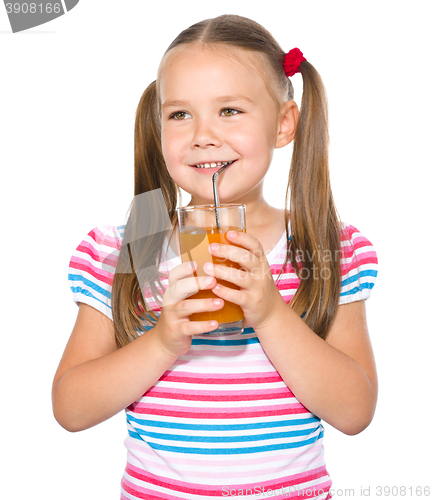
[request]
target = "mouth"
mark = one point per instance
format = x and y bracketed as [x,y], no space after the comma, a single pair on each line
[213,165]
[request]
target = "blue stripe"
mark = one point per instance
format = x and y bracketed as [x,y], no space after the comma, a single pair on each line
[227,439]
[353,291]
[369,272]
[82,291]
[220,427]
[225,341]
[230,451]
[89,284]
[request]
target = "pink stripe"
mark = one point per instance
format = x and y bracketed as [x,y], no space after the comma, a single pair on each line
[348,231]
[276,267]
[217,413]
[83,265]
[287,273]
[360,241]
[214,378]
[189,488]
[97,254]
[361,260]
[288,284]
[148,293]
[86,264]
[192,395]
[287,298]
[365,256]
[211,410]
[103,239]
[145,493]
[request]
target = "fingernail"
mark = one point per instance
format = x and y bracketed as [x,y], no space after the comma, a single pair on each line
[217,287]
[217,302]
[214,247]
[232,234]
[209,280]
[208,266]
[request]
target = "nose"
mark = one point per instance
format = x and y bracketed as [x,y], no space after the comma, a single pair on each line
[205,135]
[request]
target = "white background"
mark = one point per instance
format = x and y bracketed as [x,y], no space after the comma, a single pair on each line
[68,94]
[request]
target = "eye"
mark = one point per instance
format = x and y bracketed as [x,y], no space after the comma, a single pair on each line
[179,115]
[230,112]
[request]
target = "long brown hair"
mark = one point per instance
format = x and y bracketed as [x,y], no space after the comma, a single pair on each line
[315,240]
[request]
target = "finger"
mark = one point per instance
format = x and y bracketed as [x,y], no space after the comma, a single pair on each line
[238,277]
[242,256]
[181,271]
[238,297]
[192,306]
[197,327]
[189,286]
[246,241]
[184,288]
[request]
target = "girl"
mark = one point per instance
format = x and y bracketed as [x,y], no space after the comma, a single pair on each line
[240,415]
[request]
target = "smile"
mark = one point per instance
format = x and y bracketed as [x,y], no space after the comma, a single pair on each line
[213,164]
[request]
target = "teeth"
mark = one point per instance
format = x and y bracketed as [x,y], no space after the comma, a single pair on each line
[212,165]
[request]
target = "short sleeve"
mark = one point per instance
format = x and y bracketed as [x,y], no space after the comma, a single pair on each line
[92,267]
[359,266]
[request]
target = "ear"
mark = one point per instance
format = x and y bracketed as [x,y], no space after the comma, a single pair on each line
[288,119]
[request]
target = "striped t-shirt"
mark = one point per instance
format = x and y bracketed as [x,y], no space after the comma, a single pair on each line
[221,422]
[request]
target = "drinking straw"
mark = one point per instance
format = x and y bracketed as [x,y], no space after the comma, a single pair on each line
[216,194]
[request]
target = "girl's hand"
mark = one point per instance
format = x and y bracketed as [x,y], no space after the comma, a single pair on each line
[258,296]
[174,329]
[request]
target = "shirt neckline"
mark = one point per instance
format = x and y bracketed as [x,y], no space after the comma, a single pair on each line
[276,249]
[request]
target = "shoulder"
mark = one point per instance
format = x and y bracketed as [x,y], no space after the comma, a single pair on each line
[92,267]
[359,265]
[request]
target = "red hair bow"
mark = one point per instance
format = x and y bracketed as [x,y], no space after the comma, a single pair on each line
[292,61]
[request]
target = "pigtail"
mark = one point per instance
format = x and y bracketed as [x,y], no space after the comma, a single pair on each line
[129,307]
[150,170]
[314,251]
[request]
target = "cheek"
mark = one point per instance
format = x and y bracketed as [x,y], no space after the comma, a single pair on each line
[254,142]
[170,145]
[171,151]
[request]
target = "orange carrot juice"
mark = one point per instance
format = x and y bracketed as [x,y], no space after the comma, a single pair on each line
[195,247]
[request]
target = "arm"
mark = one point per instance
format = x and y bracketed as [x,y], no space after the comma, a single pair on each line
[335,379]
[95,380]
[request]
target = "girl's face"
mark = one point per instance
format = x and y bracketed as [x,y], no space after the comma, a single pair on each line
[214,109]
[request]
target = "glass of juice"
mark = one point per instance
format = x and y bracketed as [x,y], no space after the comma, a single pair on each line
[199,226]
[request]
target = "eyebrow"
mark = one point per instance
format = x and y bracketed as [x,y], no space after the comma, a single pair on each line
[221,99]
